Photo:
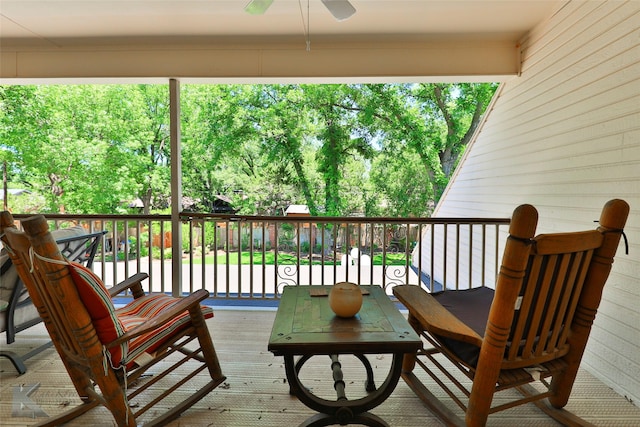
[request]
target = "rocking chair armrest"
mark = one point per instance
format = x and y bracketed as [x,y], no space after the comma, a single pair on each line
[190,302]
[433,317]
[134,283]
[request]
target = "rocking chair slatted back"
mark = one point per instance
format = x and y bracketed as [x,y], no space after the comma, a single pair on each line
[548,299]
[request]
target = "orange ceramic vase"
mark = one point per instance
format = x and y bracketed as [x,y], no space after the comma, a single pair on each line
[345,299]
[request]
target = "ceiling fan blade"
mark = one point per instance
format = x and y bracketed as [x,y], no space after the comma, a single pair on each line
[257,7]
[340,9]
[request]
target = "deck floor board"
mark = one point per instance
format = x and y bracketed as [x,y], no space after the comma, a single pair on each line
[256,392]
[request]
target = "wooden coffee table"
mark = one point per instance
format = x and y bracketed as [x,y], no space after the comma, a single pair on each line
[305,326]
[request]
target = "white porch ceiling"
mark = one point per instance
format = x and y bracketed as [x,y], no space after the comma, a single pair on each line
[61,22]
[34,33]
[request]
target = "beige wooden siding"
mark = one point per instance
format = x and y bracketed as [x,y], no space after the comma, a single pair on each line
[565,137]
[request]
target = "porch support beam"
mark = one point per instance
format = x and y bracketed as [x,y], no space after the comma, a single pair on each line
[176,187]
[272,60]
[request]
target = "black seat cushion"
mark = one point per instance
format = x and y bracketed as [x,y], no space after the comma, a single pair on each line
[471,306]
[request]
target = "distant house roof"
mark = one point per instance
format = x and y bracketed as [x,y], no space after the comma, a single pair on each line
[297,210]
[223,198]
[136,203]
[221,204]
[14,192]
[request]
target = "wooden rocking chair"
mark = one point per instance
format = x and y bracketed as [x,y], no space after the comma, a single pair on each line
[107,347]
[533,328]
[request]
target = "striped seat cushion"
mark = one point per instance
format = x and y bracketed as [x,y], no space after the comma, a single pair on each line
[111,323]
[97,301]
[142,309]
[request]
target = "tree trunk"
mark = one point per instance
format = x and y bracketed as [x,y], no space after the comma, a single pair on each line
[146,202]
[304,185]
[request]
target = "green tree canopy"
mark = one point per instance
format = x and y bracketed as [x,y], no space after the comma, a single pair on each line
[341,149]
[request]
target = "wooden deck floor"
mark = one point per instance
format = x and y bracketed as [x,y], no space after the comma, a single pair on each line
[256,393]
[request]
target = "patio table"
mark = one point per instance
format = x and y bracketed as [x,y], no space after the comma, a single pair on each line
[305,326]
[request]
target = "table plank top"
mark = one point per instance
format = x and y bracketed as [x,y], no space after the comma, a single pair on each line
[305,325]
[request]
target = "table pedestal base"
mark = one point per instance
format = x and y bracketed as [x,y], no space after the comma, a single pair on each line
[343,411]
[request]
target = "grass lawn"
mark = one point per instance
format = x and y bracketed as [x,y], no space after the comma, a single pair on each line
[287,258]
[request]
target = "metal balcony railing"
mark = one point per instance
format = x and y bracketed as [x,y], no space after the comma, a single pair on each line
[238,257]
